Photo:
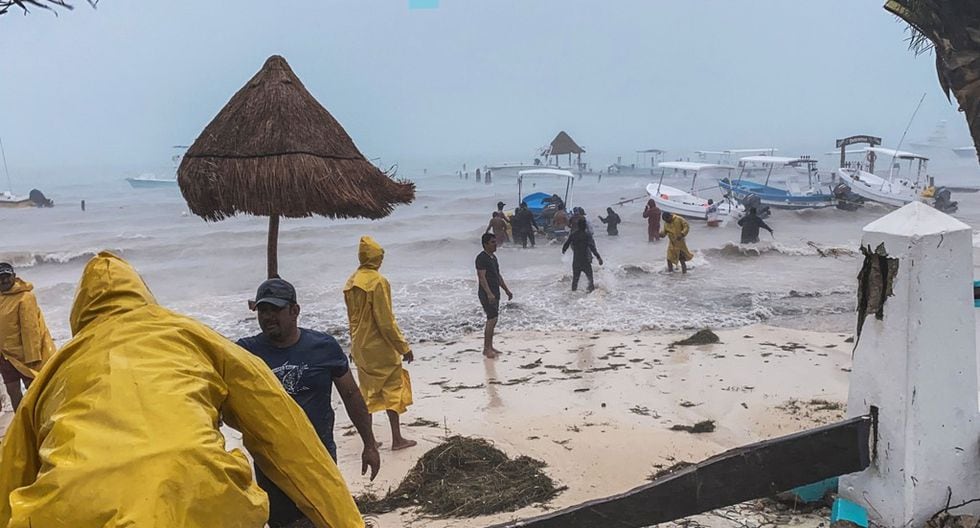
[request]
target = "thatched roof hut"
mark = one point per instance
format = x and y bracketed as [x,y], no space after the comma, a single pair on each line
[274,150]
[564,144]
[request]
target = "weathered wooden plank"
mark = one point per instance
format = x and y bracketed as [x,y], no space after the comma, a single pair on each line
[744,473]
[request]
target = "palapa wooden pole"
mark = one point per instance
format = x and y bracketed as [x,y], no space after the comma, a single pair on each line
[273,262]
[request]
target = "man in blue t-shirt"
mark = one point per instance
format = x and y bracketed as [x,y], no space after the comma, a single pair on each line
[309,364]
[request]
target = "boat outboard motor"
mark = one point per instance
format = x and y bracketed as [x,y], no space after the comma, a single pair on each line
[944,201]
[753,201]
[847,200]
[39,199]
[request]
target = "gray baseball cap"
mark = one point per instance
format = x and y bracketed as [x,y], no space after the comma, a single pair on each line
[6,268]
[276,292]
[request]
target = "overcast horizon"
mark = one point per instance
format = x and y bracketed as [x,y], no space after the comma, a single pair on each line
[113,89]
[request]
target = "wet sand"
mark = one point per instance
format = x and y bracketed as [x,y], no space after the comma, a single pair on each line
[597,408]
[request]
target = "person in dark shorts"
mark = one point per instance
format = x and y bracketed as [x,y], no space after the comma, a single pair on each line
[308,363]
[490,284]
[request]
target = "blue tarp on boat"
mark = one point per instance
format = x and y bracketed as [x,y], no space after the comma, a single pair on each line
[774,196]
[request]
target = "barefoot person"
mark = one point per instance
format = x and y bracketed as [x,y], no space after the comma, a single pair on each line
[121,427]
[490,284]
[308,364]
[377,344]
[675,229]
[25,343]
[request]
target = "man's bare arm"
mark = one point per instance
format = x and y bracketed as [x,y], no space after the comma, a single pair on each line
[358,412]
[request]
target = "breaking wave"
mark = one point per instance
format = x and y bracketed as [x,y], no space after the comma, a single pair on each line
[30,260]
[811,249]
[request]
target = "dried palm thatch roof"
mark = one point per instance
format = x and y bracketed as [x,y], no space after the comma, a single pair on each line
[273,150]
[563,144]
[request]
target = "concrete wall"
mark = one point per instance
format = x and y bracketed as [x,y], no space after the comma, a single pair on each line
[918,365]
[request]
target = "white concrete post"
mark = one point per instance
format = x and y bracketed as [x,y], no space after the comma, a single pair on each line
[918,366]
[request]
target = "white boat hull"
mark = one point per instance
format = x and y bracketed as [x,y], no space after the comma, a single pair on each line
[146,183]
[676,201]
[896,192]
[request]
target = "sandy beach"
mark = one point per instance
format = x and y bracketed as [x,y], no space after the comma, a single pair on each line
[597,408]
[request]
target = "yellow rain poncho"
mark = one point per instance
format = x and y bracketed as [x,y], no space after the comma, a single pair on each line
[120,428]
[676,232]
[24,338]
[377,344]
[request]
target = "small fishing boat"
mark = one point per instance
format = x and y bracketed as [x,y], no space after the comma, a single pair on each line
[891,190]
[965,152]
[792,197]
[146,181]
[152,181]
[9,200]
[687,203]
[536,201]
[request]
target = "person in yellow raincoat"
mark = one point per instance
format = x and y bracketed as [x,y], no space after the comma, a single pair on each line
[120,428]
[377,344]
[25,343]
[675,228]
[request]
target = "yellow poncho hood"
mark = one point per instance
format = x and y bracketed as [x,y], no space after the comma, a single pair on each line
[121,427]
[109,287]
[377,344]
[24,336]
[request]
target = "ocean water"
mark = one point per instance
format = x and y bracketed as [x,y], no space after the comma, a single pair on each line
[210,270]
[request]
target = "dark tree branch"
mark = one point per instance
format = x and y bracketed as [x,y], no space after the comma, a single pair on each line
[5,5]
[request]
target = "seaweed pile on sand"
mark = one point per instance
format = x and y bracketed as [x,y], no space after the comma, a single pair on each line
[466,477]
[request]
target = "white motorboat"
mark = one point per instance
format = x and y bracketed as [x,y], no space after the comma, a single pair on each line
[891,190]
[687,203]
[144,181]
[152,181]
[965,152]
[8,200]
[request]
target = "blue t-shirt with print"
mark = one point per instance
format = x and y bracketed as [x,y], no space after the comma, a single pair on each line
[307,370]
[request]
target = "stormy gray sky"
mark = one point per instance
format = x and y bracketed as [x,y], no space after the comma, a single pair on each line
[473,80]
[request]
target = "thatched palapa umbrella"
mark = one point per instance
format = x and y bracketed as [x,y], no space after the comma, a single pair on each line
[274,151]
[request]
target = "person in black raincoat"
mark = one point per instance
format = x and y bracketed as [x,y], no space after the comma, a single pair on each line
[524,225]
[612,222]
[583,247]
[750,227]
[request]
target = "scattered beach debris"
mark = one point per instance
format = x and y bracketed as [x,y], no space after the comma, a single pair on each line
[849,339]
[422,422]
[515,381]
[817,409]
[534,364]
[704,426]
[643,411]
[584,389]
[564,443]
[685,403]
[466,477]
[831,251]
[664,471]
[701,337]
[457,388]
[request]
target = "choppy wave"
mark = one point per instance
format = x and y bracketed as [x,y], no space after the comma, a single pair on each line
[811,249]
[31,259]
